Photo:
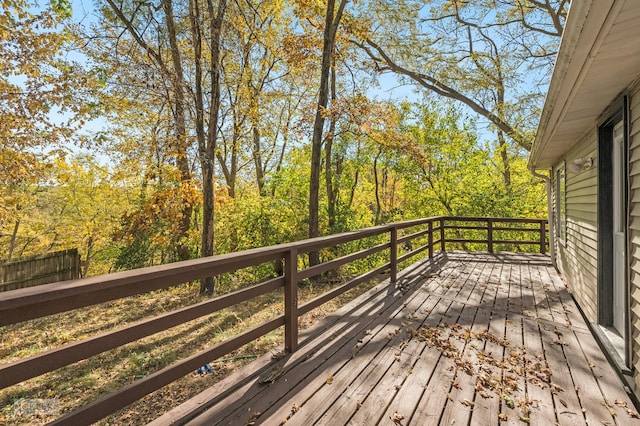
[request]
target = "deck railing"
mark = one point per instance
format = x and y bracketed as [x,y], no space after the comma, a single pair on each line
[431,235]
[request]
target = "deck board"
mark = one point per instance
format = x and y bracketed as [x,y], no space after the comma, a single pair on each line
[469,339]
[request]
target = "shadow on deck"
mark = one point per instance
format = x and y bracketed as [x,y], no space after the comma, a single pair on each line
[462,338]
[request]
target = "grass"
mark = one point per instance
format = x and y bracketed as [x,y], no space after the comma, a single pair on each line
[73,386]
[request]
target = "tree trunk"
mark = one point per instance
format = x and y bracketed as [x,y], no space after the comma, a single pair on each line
[257,156]
[87,260]
[377,188]
[332,20]
[208,152]
[328,158]
[14,234]
[506,163]
[179,130]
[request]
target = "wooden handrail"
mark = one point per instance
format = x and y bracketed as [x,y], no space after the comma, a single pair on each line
[25,304]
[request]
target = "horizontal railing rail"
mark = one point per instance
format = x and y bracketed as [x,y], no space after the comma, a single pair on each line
[433,234]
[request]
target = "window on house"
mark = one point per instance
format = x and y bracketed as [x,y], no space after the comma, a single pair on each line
[561,205]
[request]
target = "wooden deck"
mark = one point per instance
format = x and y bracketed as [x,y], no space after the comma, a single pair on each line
[464,339]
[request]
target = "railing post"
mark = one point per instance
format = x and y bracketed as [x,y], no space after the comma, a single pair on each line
[442,242]
[430,239]
[543,237]
[490,235]
[393,261]
[291,300]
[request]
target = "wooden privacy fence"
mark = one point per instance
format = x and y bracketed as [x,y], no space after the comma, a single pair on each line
[36,270]
[430,235]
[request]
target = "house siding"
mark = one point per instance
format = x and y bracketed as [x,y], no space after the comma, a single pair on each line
[577,258]
[634,229]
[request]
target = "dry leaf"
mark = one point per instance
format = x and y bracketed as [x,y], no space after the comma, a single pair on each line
[611,410]
[278,355]
[329,380]
[633,413]
[509,401]
[503,417]
[397,418]
[295,408]
[467,403]
[252,419]
[555,388]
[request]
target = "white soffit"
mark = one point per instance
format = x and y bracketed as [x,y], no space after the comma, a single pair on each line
[599,58]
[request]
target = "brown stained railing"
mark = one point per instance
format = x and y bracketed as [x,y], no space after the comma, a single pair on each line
[496,225]
[30,303]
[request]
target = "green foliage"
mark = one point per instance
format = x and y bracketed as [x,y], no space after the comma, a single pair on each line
[451,173]
[388,162]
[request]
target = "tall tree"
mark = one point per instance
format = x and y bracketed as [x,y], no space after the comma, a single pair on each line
[207,147]
[177,51]
[332,21]
[473,52]
[135,20]
[42,95]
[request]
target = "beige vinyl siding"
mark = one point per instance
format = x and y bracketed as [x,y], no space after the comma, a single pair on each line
[634,228]
[578,257]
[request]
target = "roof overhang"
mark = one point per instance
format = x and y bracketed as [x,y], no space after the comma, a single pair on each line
[599,58]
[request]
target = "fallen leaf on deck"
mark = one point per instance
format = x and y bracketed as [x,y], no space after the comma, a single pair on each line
[278,355]
[633,413]
[467,403]
[555,388]
[509,401]
[295,408]
[611,410]
[329,380]
[503,417]
[252,419]
[525,419]
[396,418]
